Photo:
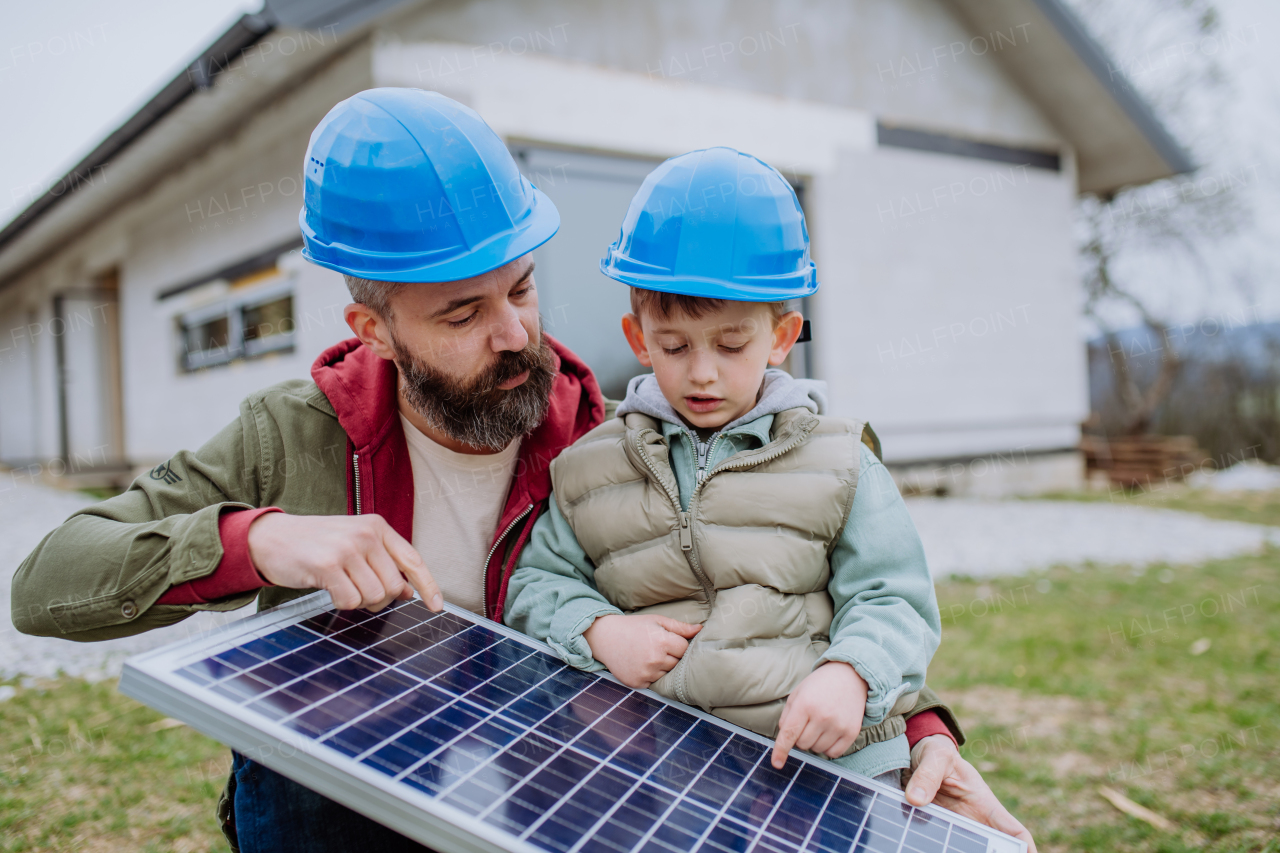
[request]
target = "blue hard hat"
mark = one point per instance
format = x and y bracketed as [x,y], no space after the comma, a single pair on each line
[408,185]
[715,223]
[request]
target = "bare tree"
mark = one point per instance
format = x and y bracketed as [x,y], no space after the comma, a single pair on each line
[1179,215]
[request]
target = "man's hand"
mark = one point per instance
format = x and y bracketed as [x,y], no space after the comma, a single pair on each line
[945,779]
[640,649]
[359,559]
[823,714]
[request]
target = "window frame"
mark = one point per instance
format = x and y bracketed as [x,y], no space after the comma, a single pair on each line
[233,306]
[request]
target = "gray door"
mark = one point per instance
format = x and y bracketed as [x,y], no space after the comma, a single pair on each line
[581,307]
[88,347]
[19,403]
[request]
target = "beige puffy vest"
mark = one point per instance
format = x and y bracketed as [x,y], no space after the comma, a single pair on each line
[748,561]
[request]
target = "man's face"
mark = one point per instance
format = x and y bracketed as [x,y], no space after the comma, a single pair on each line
[473,363]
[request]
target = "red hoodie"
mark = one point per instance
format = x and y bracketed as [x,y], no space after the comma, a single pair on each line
[361,387]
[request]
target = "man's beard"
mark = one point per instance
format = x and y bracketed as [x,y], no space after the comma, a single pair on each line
[478,413]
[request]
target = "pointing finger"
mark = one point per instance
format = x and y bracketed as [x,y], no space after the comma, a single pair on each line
[790,727]
[411,565]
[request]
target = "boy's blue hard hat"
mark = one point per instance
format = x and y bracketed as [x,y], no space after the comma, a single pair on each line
[407,185]
[715,223]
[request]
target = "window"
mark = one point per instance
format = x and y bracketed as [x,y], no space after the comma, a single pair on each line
[243,325]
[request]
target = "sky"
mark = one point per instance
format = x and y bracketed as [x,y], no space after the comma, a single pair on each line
[71,71]
[1229,269]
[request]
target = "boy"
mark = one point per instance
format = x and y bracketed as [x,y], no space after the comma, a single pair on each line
[720,541]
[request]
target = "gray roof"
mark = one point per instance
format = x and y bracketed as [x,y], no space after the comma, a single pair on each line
[1117,138]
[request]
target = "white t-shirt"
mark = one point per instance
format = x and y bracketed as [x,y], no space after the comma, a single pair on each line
[458,500]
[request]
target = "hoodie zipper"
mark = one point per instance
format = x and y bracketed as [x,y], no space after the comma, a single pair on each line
[484,586]
[355,470]
[704,458]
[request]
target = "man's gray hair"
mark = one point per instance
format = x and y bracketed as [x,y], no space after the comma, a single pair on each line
[375,295]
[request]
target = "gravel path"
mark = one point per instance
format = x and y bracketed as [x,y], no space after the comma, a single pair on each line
[982,538]
[961,536]
[27,513]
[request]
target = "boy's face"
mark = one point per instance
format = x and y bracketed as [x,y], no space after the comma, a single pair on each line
[710,369]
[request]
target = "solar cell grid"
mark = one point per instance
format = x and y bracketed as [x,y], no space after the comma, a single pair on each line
[526,753]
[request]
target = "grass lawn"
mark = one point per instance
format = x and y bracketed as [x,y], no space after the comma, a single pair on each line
[1163,685]
[85,768]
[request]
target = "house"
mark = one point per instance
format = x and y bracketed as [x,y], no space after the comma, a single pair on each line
[937,146]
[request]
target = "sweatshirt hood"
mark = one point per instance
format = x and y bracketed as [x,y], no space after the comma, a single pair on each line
[779,392]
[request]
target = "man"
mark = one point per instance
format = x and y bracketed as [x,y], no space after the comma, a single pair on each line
[416,459]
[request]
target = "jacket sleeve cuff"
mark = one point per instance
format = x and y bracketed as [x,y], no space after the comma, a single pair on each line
[872,664]
[567,628]
[235,573]
[924,724]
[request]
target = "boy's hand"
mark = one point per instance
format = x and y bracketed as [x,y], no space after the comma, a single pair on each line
[639,650]
[823,714]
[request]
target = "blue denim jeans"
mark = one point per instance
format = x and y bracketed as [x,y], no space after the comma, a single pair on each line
[274,814]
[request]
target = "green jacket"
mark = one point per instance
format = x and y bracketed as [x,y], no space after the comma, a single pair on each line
[332,446]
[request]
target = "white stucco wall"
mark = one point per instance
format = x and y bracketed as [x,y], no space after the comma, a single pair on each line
[617,78]
[950,308]
[239,199]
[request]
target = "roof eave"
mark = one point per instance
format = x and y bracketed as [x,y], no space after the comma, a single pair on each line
[1117,138]
[1139,111]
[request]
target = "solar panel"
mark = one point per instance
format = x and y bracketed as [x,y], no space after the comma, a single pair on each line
[467,736]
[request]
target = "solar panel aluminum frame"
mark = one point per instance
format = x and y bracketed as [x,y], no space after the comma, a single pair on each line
[151,678]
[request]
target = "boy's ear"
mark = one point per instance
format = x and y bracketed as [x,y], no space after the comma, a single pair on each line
[635,337]
[784,336]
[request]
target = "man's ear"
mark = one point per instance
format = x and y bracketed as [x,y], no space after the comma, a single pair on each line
[370,328]
[784,336]
[635,337]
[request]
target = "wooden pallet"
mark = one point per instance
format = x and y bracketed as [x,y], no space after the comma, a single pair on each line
[1142,460]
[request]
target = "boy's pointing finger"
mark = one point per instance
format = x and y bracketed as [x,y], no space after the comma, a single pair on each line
[789,728]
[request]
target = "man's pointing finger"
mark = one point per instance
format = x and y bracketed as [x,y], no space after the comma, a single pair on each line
[411,566]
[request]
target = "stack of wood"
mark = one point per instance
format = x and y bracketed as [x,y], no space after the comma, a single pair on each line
[1140,461]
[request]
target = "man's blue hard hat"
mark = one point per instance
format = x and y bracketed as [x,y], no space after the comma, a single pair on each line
[408,185]
[717,223]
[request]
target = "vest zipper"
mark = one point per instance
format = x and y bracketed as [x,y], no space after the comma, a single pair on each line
[686,528]
[484,586]
[686,545]
[355,470]
[686,518]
